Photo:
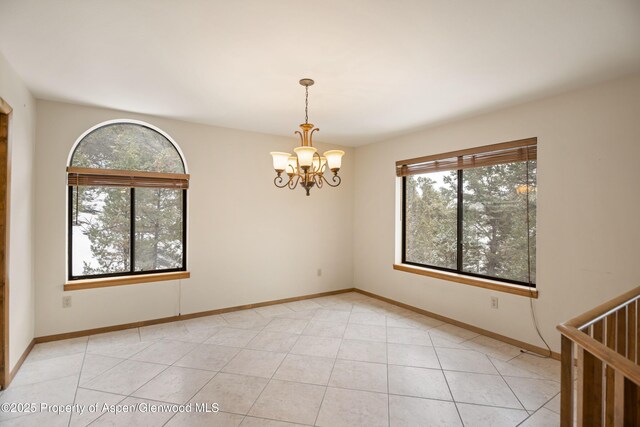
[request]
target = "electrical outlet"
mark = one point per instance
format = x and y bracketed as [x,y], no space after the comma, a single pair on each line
[66,301]
[319,272]
[494,303]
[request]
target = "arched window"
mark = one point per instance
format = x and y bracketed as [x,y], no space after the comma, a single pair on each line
[127,202]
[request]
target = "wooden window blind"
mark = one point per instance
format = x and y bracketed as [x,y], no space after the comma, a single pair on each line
[488,155]
[121,178]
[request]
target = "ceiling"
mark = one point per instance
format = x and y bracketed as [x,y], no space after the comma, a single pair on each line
[382,67]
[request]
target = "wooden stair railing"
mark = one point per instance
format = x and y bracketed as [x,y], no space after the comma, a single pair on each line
[604,341]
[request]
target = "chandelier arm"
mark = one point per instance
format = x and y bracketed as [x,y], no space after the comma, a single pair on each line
[311,136]
[335,179]
[314,170]
[319,180]
[278,181]
[300,135]
[293,182]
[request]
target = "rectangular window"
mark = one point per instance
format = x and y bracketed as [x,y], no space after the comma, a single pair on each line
[431,209]
[473,212]
[158,228]
[120,231]
[101,230]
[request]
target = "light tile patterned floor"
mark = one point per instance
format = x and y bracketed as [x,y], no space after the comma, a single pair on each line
[344,360]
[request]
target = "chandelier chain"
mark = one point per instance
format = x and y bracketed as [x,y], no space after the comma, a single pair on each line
[306,104]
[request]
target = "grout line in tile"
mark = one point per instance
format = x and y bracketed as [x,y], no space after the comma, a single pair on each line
[514,357]
[335,359]
[102,373]
[267,418]
[451,401]
[101,391]
[505,381]
[270,378]
[455,404]
[103,413]
[532,414]
[194,395]
[75,395]
[547,402]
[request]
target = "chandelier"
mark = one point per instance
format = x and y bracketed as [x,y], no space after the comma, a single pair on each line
[307,167]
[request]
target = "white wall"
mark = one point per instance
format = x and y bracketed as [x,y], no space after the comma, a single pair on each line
[588,209]
[21,252]
[247,241]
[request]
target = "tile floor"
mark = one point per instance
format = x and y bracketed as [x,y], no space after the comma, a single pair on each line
[344,360]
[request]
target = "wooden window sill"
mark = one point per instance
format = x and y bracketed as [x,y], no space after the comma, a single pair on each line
[494,285]
[76,285]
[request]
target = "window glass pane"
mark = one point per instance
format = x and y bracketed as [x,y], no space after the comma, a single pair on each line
[431,219]
[127,146]
[158,229]
[495,221]
[100,222]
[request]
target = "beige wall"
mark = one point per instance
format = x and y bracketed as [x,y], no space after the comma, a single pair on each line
[247,241]
[22,142]
[588,209]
